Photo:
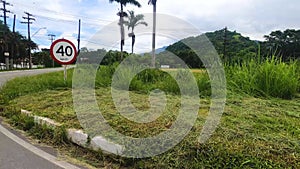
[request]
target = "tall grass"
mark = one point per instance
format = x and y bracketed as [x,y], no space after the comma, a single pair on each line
[269,78]
[31,84]
[149,79]
[144,82]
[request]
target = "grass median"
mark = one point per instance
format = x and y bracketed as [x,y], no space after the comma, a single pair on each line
[253,133]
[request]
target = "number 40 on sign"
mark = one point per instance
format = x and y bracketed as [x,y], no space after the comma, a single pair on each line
[63,51]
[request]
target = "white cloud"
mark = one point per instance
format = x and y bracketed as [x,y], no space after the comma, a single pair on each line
[253,18]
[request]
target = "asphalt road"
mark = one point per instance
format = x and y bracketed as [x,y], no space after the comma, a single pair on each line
[15,153]
[5,76]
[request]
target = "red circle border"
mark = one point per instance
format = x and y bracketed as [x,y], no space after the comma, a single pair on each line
[58,61]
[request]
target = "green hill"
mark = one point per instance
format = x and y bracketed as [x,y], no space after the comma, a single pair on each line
[231,47]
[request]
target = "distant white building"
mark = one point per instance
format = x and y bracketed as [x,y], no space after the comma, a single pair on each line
[165,66]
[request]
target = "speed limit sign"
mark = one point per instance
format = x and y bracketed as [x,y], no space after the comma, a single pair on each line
[63,51]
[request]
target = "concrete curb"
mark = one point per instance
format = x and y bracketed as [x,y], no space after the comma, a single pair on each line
[78,137]
[41,120]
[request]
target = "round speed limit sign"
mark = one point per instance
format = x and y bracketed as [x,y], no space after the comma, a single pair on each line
[63,51]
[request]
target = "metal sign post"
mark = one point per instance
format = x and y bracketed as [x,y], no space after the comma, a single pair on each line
[65,73]
[6,55]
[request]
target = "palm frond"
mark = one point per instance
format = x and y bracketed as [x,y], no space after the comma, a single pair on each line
[136,3]
[139,17]
[125,2]
[142,23]
[152,2]
[131,14]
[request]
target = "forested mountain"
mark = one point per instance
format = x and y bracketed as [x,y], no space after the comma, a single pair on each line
[232,47]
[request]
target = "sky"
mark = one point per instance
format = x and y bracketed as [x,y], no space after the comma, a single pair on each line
[251,18]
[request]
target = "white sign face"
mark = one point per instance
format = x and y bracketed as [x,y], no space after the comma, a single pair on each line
[63,51]
[6,54]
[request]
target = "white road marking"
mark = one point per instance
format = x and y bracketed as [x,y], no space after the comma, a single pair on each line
[36,150]
[33,149]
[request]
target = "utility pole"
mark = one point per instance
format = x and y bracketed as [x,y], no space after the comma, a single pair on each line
[153,2]
[225,44]
[52,38]
[78,39]
[13,47]
[5,11]
[29,18]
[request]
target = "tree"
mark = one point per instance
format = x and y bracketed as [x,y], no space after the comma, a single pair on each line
[122,14]
[5,40]
[43,58]
[153,2]
[238,47]
[285,44]
[14,43]
[133,21]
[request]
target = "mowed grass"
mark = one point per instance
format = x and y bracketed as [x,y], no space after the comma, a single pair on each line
[253,133]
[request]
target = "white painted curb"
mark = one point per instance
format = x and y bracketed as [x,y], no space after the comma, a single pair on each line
[78,137]
[100,143]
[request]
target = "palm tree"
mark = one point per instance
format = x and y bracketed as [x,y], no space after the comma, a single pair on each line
[153,2]
[133,21]
[122,14]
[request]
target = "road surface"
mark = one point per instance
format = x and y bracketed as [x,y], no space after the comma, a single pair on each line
[16,153]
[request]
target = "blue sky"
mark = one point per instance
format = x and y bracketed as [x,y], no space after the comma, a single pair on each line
[252,18]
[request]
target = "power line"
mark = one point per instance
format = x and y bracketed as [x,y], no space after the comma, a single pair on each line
[71,21]
[56,19]
[44,10]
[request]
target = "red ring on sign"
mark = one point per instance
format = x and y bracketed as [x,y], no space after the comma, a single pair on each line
[58,61]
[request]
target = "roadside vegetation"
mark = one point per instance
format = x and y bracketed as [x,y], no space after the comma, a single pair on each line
[260,125]
[271,78]
[259,128]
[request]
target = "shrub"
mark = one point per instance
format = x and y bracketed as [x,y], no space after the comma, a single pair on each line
[21,121]
[152,76]
[203,82]
[150,79]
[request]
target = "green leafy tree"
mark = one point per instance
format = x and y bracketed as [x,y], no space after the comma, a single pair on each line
[43,58]
[5,35]
[133,21]
[285,44]
[14,43]
[238,48]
